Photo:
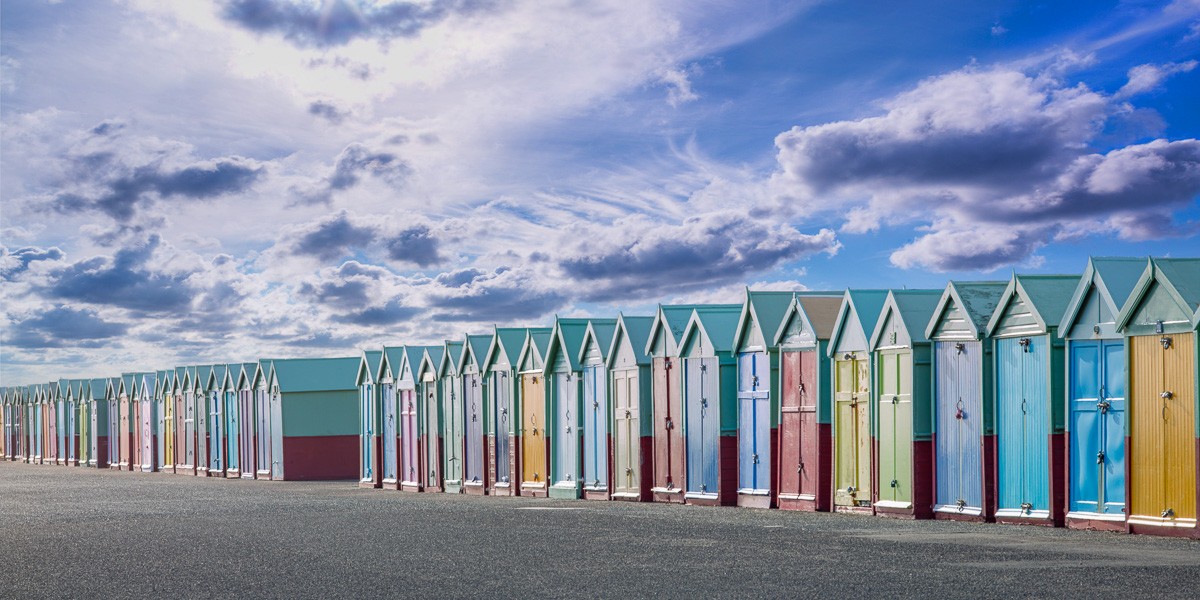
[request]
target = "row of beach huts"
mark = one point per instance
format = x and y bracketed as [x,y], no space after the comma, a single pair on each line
[1046,399]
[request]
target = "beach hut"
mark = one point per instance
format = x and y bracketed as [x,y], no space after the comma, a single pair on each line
[632,394]
[5,424]
[56,448]
[474,386]
[758,395]
[1160,321]
[264,457]
[212,379]
[503,410]
[369,404]
[1096,394]
[853,366]
[669,450]
[234,447]
[709,373]
[391,411]
[806,403]
[185,415]
[1030,386]
[563,372]
[412,466]
[312,407]
[452,417]
[595,475]
[81,395]
[246,417]
[127,443]
[430,391]
[535,443]
[149,421]
[964,400]
[904,480]
[163,397]
[198,377]
[112,387]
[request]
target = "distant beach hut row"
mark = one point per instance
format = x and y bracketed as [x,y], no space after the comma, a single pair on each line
[1044,399]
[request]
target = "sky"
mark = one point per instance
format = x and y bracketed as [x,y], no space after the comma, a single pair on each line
[199,182]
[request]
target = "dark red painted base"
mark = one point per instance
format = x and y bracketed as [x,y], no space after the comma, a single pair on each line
[307,458]
[1058,478]
[102,452]
[824,500]
[1177,532]
[989,478]
[774,475]
[924,467]
[797,504]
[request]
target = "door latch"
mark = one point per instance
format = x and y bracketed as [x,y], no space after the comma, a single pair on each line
[1026,506]
[895,399]
[895,483]
[1166,395]
[1100,457]
[1103,407]
[851,490]
[629,470]
[754,458]
[1167,514]
[669,424]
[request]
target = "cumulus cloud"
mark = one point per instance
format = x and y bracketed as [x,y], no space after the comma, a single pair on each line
[355,161]
[63,326]
[327,110]
[359,294]
[1145,78]
[503,294]
[331,238]
[991,153]
[338,22]
[126,280]
[637,257]
[13,263]
[416,244]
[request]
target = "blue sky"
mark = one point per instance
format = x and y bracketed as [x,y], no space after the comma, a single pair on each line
[198,182]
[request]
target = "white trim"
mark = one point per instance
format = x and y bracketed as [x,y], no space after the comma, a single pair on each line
[1022,514]
[954,509]
[625,495]
[700,495]
[663,490]
[753,492]
[390,481]
[1160,522]
[1091,516]
[797,497]
[474,484]
[503,485]
[591,488]
[893,504]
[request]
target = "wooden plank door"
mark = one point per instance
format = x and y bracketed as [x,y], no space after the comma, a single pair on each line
[627,432]
[533,430]
[432,460]
[1162,413]
[216,433]
[565,437]
[595,427]
[703,402]
[501,390]
[233,433]
[895,426]
[125,437]
[262,410]
[791,429]
[390,460]
[473,428]
[853,431]
[754,422]
[199,403]
[275,432]
[669,447]
[149,418]
[452,430]
[366,444]
[248,442]
[1097,426]
[410,471]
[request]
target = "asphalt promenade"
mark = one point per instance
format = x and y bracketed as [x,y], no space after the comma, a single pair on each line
[81,533]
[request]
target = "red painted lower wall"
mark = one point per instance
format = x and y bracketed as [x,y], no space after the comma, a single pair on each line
[989,478]
[1058,479]
[924,468]
[307,458]
[102,452]
[646,462]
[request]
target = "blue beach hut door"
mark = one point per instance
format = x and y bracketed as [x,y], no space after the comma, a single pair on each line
[390,464]
[1097,426]
[1023,425]
[595,427]
[703,405]
[959,425]
[754,423]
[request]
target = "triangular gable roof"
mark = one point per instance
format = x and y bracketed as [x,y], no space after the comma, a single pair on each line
[864,304]
[673,319]
[1046,295]
[976,299]
[1180,277]
[78,387]
[181,380]
[634,330]
[202,373]
[819,313]
[717,322]
[392,358]
[128,383]
[245,376]
[1113,278]
[262,375]
[475,349]
[145,384]
[537,340]
[368,367]
[294,375]
[915,310]
[162,383]
[764,311]
[410,358]
[566,338]
[431,358]
[506,344]
[218,378]
[601,331]
[450,358]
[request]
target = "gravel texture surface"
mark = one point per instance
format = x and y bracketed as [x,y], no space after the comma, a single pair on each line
[74,532]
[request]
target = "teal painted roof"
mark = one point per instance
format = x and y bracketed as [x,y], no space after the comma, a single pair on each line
[98,388]
[637,330]
[393,361]
[506,344]
[601,330]
[431,359]
[216,377]
[567,339]
[412,358]
[976,299]
[677,317]
[767,310]
[1048,297]
[538,341]
[245,375]
[866,305]
[450,358]
[476,350]
[1114,279]
[1183,275]
[718,322]
[915,308]
[315,374]
[368,366]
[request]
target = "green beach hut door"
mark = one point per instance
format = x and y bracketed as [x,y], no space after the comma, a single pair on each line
[853,434]
[895,427]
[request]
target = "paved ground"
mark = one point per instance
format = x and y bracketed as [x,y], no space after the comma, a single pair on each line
[69,532]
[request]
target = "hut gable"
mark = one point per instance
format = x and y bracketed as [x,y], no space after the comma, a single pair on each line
[597,341]
[808,320]
[368,367]
[630,339]
[762,312]
[857,316]
[475,349]
[533,351]
[668,328]
[505,348]
[710,330]
[964,309]
[431,357]
[562,354]
[451,354]
[1032,305]
[1103,289]
[1168,292]
[904,318]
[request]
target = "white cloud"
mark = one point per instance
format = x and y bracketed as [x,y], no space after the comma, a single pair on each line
[1145,78]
